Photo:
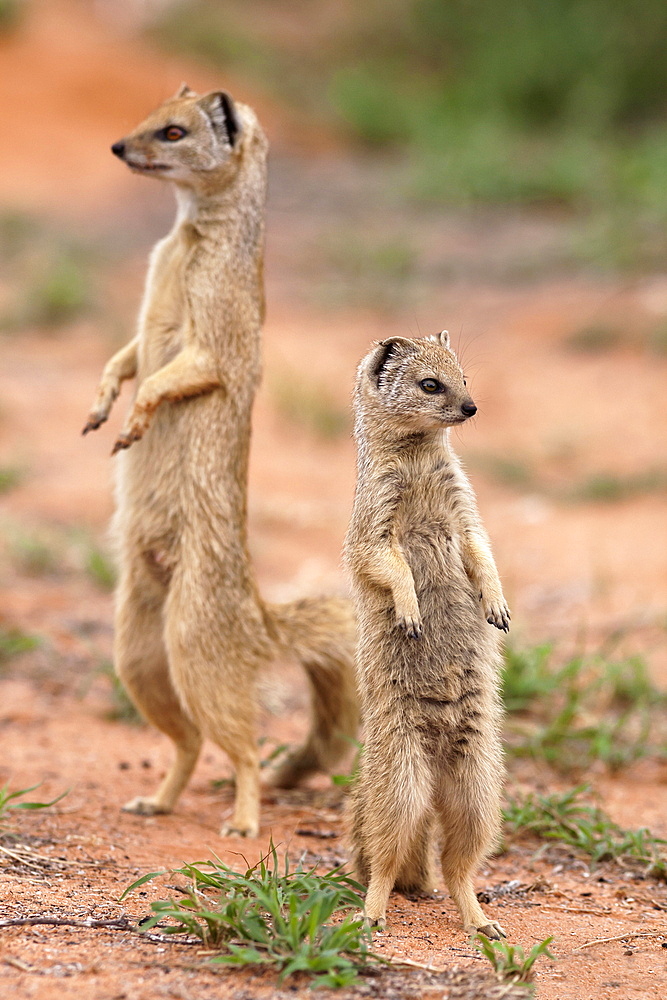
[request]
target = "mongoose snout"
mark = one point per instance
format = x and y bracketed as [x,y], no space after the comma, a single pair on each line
[118,149]
[468,408]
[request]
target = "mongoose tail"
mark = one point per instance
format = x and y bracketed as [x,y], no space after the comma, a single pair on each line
[321,635]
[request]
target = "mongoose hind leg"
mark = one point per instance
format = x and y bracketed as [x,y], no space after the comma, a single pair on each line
[356,812]
[417,873]
[395,803]
[217,685]
[469,811]
[141,663]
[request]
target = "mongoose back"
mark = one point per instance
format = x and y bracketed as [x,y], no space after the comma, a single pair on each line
[427,592]
[191,631]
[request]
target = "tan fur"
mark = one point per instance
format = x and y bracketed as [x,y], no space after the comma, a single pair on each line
[426,587]
[191,629]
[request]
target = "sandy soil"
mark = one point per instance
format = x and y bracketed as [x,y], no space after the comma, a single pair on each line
[574,572]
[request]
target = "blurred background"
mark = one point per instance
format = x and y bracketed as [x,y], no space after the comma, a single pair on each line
[499,170]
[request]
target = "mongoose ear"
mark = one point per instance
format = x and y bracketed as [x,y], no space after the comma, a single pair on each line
[385,350]
[407,345]
[443,337]
[220,109]
[184,91]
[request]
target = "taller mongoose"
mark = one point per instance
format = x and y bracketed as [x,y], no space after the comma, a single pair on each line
[191,631]
[426,590]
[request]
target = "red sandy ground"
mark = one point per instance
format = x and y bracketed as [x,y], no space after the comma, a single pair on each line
[572,572]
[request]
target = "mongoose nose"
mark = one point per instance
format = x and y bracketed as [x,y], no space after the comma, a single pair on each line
[468,408]
[118,149]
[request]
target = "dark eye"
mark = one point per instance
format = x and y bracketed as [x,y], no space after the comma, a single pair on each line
[465,383]
[172,133]
[431,385]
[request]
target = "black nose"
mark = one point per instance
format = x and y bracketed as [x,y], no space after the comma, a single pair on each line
[469,409]
[118,149]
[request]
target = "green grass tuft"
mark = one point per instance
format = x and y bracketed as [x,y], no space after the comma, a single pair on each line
[589,709]
[509,961]
[291,921]
[8,800]
[564,817]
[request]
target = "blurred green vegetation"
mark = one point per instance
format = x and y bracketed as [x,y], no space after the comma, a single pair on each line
[310,406]
[10,14]
[558,102]
[51,273]
[584,710]
[13,642]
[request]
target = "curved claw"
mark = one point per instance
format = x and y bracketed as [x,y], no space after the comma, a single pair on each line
[499,617]
[492,930]
[411,626]
[93,423]
[229,830]
[124,441]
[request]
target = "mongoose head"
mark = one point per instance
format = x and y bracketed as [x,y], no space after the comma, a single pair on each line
[418,385]
[188,138]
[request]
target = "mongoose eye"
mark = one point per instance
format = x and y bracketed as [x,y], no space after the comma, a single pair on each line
[431,385]
[172,133]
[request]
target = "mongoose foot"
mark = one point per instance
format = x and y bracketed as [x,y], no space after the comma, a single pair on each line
[94,421]
[376,924]
[412,626]
[144,807]
[492,930]
[245,830]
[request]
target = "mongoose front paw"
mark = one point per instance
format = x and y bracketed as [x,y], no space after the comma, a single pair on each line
[94,421]
[492,930]
[498,614]
[126,438]
[123,441]
[134,430]
[411,625]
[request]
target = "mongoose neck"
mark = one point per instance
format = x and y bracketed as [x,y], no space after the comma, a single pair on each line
[214,199]
[206,207]
[377,444]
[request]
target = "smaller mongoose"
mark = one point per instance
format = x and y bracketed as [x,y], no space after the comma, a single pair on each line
[427,591]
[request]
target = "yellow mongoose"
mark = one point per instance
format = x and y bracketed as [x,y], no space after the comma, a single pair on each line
[191,630]
[425,587]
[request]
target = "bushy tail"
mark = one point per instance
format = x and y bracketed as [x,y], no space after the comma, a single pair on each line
[321,635]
